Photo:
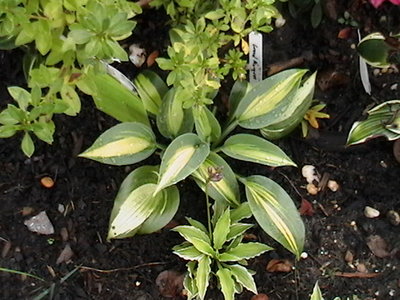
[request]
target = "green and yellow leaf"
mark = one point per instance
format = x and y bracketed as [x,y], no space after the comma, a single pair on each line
[123,144]
[275,212]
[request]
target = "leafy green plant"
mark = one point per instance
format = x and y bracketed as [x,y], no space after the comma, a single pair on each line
[60,40]
[383,120]
[347,19]
[201,33]
[317,295]
[379,50]
[193,145]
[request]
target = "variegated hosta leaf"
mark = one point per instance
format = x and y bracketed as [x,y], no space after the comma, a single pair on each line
[200,240]
[207,126]
[164,213]
[183,156]
[290,116]
[241,212]
[134,211]
[239,90]
[123,144]
[151,89]
[243,276]
[113,98]
[243,251]
[173,119]
[237,229]
[375,50]
[275,212]
[225,190]
[383,120]
[189,282]
[203,275]
[254,110]
[227,283]
[252,148]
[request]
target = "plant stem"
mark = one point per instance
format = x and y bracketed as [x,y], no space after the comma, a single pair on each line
[228,129]
[208,210]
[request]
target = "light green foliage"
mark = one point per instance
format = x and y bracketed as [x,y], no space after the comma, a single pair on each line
[382,120]
[61,39]
[200,29]
[220,252]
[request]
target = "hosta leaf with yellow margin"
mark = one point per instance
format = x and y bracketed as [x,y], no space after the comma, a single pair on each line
[225,190]
[243,276]
[275,212]
[227,283]
[203,276]
[252,148]
[123,144]
[254,110]
[181,158]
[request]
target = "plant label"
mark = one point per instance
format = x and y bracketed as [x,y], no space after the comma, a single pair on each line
[255,57]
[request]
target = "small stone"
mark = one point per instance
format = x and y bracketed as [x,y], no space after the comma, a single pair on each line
[61,208]
[279,22]
[304,255]
[393,217]
[362,268]
[371,213]
[40,224]
[376,72]
[333,185]
[349,256]
[309,173]
[137,55]
[394,87]
[312,189]
[65,255]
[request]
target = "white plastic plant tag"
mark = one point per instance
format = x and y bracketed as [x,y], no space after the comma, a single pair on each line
[364,71]
[120,77]
[255,57]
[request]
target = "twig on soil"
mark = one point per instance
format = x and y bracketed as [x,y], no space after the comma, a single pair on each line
[357,275]
[292,184]
[323,209]
[122,269]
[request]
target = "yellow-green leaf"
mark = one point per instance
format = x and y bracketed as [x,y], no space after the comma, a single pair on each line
[252,148]
[183,156]
[275,212]
[123,144]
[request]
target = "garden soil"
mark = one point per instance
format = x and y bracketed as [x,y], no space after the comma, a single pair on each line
[346,252]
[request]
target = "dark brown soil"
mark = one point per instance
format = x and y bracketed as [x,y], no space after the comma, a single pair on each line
[127,269]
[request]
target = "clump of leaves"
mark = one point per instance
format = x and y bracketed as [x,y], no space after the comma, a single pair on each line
[60,39]
[307,9]
[311,118]
[193,145]
[201,30]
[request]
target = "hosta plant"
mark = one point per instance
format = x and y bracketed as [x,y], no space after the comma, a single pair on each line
[191,143]
[60,39]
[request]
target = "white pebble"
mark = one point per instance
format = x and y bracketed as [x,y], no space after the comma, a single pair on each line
[333,185]
[304,255]
[309,173]
[371,213]
[137,55]
[394,87]
[40,224]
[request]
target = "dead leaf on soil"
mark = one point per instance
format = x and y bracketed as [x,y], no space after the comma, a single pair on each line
[65,255]
[349,256]
[357,275]
[6,249]
[378,246]
[170,283]
[152,58]
[279,265]
[331,79]
[260,297]
[306,208]
[345,33]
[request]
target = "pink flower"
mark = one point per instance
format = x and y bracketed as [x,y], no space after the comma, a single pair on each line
[377,3]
